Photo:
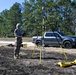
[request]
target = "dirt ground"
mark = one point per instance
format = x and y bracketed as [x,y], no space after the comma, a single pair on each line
[27,65]
[12,39]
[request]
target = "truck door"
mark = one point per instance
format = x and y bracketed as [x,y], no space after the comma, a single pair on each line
[58,39]
[52,39]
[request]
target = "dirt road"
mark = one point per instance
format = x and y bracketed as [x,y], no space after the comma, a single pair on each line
[12,39]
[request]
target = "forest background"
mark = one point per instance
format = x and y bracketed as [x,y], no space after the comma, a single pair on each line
[38,16]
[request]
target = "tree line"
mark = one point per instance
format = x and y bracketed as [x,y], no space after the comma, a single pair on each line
[38,16]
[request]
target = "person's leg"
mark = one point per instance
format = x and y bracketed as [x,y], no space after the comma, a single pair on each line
[17,48]
[19,44]
[16,51]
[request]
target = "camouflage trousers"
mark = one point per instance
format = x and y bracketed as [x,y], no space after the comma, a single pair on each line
[18,42]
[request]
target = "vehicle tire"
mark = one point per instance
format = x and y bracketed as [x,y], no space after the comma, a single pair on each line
[67,44]
[38,43]
[46,45]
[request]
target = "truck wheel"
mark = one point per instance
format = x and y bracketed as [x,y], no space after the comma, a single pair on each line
[67,44]
[38,43]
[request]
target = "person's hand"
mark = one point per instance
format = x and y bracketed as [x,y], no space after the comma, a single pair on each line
[23,34]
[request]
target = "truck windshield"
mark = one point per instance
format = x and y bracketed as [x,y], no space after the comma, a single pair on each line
[62,34]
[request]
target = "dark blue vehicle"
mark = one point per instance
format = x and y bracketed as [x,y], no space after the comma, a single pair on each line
[55,39]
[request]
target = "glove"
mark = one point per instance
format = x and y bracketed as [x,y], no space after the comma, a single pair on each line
[23,34]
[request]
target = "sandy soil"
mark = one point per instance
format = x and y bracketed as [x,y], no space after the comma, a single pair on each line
[27,65]
[12,39]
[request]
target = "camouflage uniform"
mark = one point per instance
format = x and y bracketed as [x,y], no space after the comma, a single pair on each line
[18,39]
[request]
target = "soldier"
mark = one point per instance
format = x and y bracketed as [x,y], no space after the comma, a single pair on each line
[18,40]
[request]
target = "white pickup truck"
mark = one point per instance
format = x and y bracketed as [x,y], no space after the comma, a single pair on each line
[55,39]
